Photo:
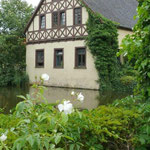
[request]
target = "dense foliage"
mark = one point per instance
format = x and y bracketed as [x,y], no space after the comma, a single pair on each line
[138,48]
[102,41]
[123,125]
[14,15]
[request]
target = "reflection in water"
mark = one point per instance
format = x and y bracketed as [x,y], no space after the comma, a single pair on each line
[53,94]
[8,99]
[109,96]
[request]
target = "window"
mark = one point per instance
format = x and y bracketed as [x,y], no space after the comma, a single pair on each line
[77,16]
[62,18]
[42,22]
[58,58]
[40,58]
[55,19]
[59,19]
[80,58]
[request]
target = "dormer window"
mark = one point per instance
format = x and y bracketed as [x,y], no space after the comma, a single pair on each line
[78,16]
[59,19]
[42,22]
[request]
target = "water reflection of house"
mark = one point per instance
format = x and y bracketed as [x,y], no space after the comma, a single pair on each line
[54,44]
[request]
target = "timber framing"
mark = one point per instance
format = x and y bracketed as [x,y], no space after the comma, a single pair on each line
[60,33]
[55,34]
[50,7]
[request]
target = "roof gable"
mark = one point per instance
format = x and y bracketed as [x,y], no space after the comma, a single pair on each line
[34,14]
[121,11]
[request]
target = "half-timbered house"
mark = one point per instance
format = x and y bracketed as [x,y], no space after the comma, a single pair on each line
[55,43]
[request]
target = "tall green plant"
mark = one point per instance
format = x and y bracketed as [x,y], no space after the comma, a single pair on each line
[102,41]
[138,48]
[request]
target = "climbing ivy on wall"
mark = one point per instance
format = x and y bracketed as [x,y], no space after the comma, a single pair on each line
[102,41]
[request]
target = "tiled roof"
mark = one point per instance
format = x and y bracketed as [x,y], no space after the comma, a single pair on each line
[120,11]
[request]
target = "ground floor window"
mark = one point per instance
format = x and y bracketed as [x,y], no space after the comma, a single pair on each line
[80,57]
[39,60]
[58,58]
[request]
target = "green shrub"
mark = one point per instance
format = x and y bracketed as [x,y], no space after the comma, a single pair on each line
[44,127]
[20,79]
[115,127]
[123,125]
[142,133]
[127,80]
[128,102]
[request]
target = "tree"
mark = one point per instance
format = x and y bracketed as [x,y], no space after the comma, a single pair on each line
[14,15]
[138,47]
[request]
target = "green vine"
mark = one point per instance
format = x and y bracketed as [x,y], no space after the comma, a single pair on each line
[102,41]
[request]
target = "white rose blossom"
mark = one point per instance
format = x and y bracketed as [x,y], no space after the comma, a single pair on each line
[67,107]
[3,137]
[45,77]
[80,97]
[72,93]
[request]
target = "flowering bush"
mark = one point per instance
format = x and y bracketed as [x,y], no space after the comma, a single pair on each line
[67,107]
[44,126]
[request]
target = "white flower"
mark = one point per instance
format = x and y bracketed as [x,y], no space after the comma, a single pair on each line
[3,138]
[67,107]
[72,93]
[45,77]
[80,97]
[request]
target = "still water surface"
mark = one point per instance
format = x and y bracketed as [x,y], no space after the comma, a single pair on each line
[8,97]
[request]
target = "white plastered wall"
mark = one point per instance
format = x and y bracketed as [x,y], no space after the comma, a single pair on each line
[68,76]
[122,33]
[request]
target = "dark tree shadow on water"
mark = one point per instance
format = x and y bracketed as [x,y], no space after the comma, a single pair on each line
[108,97]
[9,99]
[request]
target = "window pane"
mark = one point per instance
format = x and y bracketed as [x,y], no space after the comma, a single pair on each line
[77,13]
[42,22]
[81,57]
[40,58]
[79,60]
[59,58]
[55,19]
[83,60]
[81,51]
[62,18]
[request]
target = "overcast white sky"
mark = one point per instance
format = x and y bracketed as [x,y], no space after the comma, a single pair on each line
[33,2]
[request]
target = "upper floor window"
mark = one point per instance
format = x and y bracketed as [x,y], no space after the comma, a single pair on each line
[62,18]
[58,58]
[42,22]
[39,58]
[80,58]
[59,19]
[55,19]
[78,16]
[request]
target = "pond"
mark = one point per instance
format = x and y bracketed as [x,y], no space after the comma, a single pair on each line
[9,99]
